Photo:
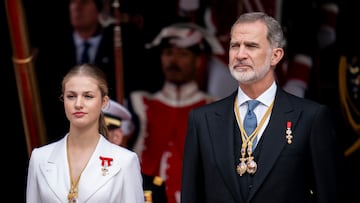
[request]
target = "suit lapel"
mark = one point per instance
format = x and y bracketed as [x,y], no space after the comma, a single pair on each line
[93,174]
[56,166]
[274,137]
[221,128]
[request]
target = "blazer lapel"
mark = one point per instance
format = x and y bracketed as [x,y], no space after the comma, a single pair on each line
[93,173]
[274,137]
[56,166]
[221,128]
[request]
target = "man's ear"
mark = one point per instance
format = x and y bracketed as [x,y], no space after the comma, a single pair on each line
[277,55]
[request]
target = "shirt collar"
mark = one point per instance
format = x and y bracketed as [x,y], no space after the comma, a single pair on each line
[266,98]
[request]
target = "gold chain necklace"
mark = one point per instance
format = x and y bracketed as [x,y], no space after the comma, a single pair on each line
[247,164]
[74,190]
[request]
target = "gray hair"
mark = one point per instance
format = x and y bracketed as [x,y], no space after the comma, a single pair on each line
[275,33]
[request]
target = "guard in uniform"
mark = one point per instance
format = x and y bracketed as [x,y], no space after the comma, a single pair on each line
[163,115]
[118,122]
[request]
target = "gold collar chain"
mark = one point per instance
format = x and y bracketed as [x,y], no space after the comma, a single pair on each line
[247,164]
[74,191]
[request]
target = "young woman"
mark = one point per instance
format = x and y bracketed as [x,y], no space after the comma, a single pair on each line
[84,166]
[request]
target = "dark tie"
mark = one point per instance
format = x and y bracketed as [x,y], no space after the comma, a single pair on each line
[250,121]
[85,54]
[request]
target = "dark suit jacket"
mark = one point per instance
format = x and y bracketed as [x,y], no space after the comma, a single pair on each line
[301,172]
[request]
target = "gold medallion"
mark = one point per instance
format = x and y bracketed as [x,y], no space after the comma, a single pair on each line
[241,167]
[251,165]
[73,194]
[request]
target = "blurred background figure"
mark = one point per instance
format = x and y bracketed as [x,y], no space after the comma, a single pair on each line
[106,16]
[162,115]
[328,16]
[118,121]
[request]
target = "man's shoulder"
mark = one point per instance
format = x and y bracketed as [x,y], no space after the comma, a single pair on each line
[217,104]
[301,102]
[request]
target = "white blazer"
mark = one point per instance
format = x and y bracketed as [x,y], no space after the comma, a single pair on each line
[48,177]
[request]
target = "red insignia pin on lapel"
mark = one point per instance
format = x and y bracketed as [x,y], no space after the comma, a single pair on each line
[105,163]
[289,132]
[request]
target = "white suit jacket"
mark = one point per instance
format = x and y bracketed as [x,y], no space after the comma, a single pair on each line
[49,180]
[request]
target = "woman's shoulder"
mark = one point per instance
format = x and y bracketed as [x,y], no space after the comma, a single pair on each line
[46,150]
[116,150]
[121,156]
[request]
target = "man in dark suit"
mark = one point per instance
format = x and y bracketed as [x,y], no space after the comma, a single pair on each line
[291,154]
